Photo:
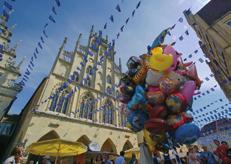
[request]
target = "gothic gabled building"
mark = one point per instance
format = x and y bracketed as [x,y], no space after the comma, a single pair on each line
[55,113]
[9,71]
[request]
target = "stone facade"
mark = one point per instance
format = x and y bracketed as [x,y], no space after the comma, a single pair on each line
[9,71]
[213,26]
[53,113]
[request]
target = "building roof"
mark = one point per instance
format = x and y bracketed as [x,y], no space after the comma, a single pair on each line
[214,10]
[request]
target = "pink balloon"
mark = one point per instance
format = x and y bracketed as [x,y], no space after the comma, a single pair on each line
[188,90]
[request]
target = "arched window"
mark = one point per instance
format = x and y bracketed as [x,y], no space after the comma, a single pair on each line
[60,102]
[86,107]
[109,80]
[108,115]
[109,90]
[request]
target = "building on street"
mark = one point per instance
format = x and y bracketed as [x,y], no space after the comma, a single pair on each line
[73,116]
[212,25]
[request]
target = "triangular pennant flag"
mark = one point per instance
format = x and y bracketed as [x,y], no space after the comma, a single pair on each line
[54,11]
[45,26]
[58,3]
[196,51]
[181,38]
[112,18]
[133,12]
[117,36]
[52,19]
[36,50]
[30,67]
[127,20]
[169,33]
[44,33]
[41,38]
[105,26]
[122,28]
[32,64]
[171,28]
[35,56]
[27,72]
[186,32]
[173,43]
[180,19]
[40,46]
[201,60]
[118,8]
[190,55]
[138,5]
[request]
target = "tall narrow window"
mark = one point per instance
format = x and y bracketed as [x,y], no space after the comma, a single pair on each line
[60,102]
[108,115]
[87,107]
[109,80]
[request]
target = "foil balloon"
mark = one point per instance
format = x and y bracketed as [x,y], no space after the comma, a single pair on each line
[175,121]
[137,99]
[187,133]
[136,120]
[159,61]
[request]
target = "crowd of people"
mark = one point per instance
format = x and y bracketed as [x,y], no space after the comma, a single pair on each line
[221,155]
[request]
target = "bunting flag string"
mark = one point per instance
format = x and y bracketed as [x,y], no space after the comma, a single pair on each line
[40,43]
[127,20]
[212,89]
[7,9]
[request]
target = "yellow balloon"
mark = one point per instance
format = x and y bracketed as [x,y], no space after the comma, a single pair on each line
[159,61]
[149,141]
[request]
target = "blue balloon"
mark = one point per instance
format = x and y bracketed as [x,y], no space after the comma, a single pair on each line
[137,119]
[187,133]
[137,98]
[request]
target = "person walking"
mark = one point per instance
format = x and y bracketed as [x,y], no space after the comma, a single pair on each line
[120,159]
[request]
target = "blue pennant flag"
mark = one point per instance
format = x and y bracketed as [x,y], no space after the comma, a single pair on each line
[40,46]
[7,5]
[32,58]
[27,72]
[118,35]
[180,19]
[190,55]
[42,39]
[105,26]
[186,32]
[45,26]
[201,60]
[112,18]
[208,92]
[173,43]
[169,33]
[35,56]
[118,8]
[196,51]
[138,5]
[181,38]
[207,79]
[113,42]
[171,28]
[36,50]
[52,19]
[54,11]
[127,20]
[44,33]
[122,28]
[133,12]
[31,63]
[58,3]
[30,67]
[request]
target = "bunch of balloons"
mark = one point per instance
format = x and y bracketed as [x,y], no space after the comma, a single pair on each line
[158,89]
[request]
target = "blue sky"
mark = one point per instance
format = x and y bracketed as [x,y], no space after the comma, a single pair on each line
[77,16]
